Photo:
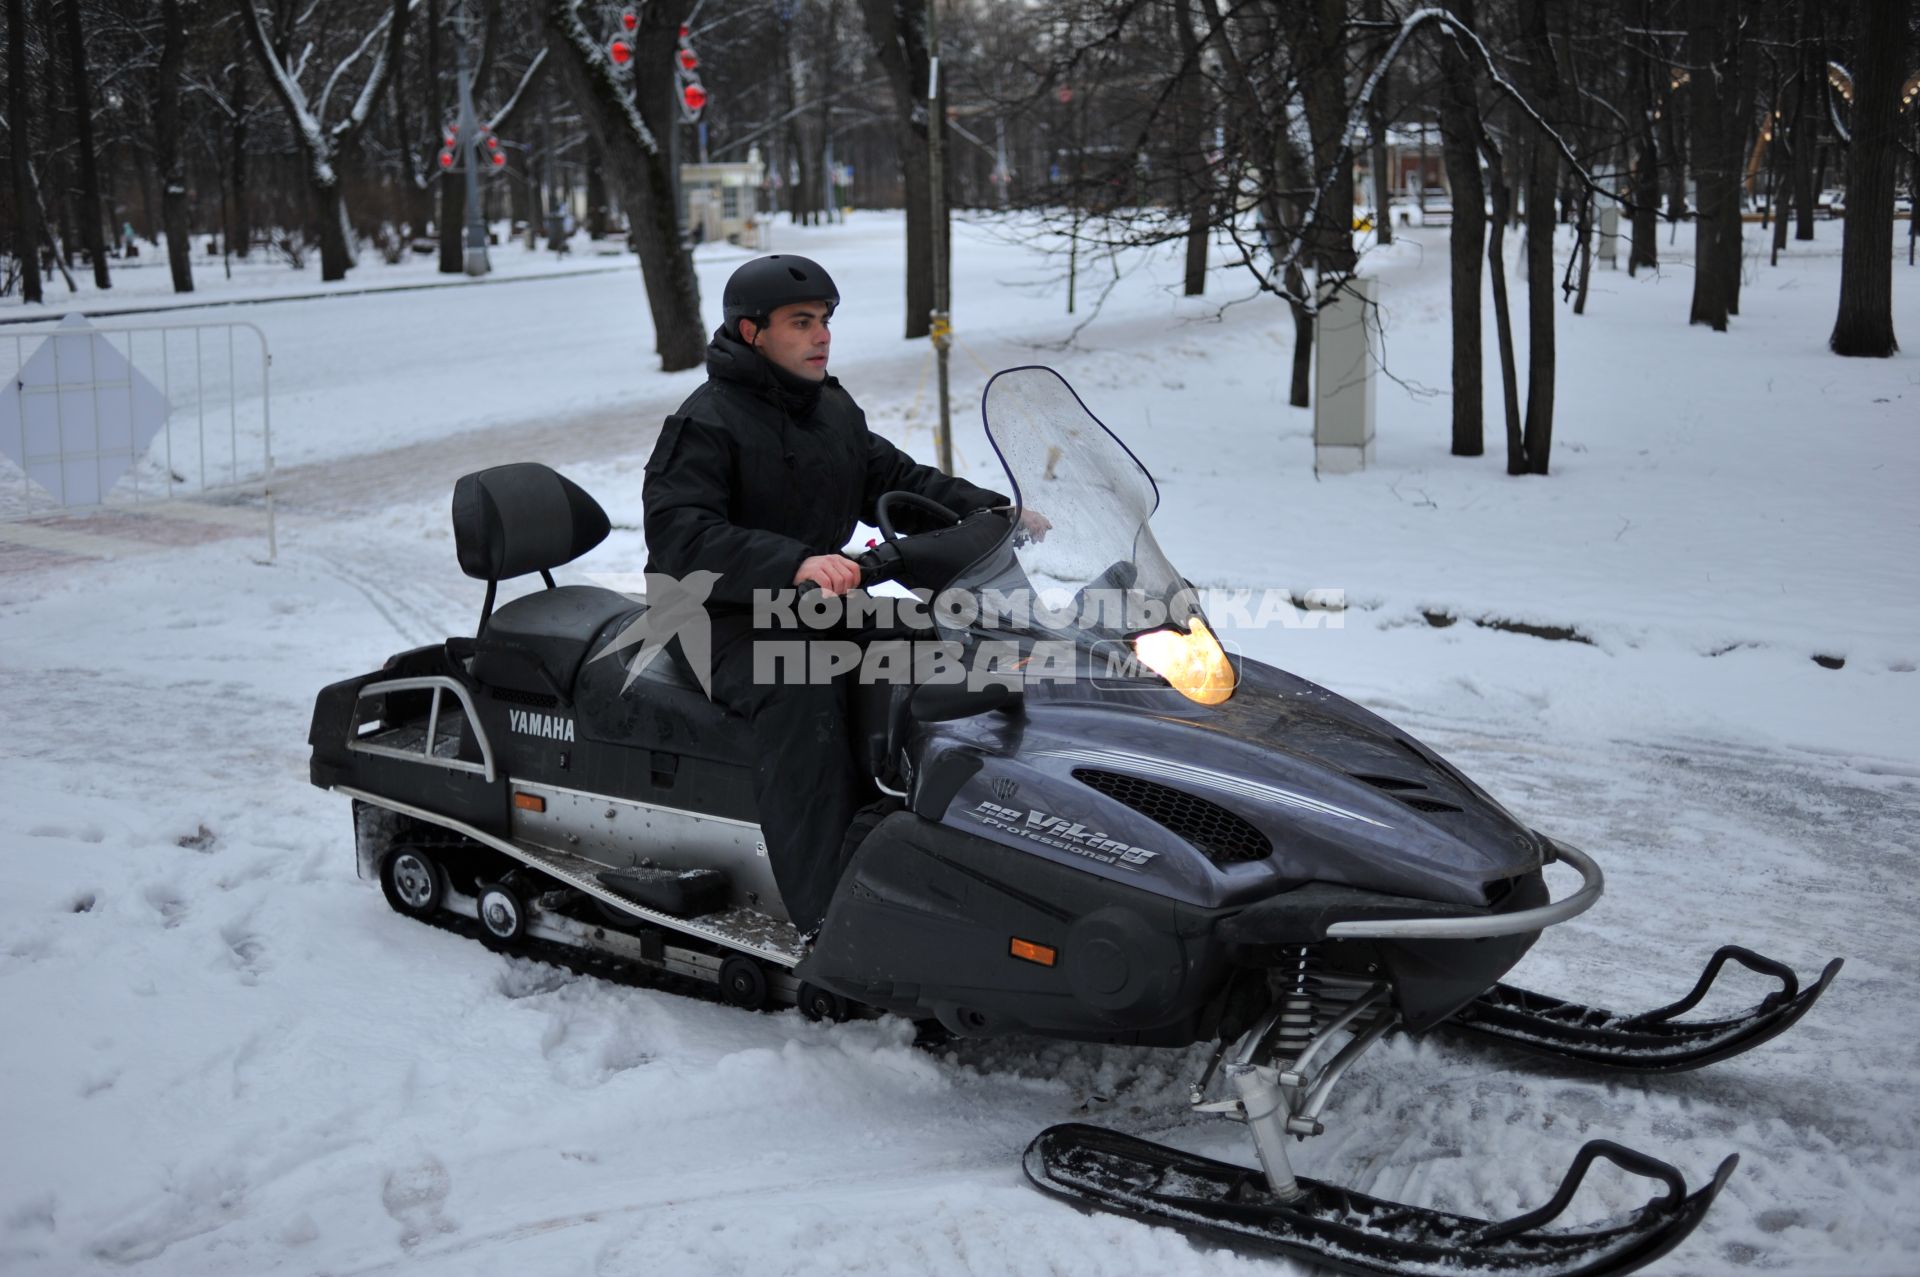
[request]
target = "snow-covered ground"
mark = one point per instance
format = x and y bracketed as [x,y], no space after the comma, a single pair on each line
[224,1055]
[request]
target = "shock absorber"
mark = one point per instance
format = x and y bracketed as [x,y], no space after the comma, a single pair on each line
[1298,1004]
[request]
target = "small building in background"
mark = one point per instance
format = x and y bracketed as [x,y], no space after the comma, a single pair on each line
[721,201]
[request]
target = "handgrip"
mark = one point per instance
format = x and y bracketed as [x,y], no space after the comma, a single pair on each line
[1755,962]
[1630,1160]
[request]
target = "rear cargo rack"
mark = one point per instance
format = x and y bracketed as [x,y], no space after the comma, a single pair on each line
[406,742]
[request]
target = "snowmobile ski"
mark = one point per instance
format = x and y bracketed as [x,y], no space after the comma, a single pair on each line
[1652,1041]
[1096,1168]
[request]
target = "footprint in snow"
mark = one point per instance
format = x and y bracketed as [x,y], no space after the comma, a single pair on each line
[414,1195]
[168,904]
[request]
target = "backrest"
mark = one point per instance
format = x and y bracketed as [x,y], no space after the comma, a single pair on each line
[520,518]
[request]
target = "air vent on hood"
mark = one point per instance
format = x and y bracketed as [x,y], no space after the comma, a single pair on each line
[1426,804]
[1387,782]
[1224,837]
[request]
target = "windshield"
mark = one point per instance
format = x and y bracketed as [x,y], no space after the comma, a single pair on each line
[1083,566]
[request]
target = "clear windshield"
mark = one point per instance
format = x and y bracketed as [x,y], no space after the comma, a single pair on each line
[1084,566]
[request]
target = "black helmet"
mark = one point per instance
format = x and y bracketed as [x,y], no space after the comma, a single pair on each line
[765,284]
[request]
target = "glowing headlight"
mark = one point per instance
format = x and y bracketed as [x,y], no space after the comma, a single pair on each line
[1192,662]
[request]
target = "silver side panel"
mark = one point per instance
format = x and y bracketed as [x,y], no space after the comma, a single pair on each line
[741,929]
[620,833]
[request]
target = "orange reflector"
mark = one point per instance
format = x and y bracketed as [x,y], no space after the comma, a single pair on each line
[529,802]
[1032,952]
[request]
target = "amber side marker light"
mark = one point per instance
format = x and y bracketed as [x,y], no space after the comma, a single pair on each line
[529,802]
[1031,952]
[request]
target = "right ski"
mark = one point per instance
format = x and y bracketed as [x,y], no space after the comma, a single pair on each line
[1106,1170]
[1652,1041]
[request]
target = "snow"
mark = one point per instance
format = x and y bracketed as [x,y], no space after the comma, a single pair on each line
[223,1054]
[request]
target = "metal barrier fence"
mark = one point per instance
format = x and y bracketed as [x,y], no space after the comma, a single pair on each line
[98,419]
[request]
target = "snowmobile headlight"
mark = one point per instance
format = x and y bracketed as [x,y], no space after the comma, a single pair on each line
[1193,662]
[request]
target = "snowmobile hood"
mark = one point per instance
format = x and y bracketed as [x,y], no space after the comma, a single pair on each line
[1341,795]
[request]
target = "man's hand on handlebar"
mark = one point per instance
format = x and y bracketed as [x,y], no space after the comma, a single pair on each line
[1035,524]
[833,573]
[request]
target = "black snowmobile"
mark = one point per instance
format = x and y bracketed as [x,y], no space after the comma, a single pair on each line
[1108,830]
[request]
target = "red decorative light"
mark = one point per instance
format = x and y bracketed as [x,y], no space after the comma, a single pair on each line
[493,143]
[630,20]
[446,158]
[1064,93]
[696,97]
[687,60]
[683,30]
[620,51]
[499,159]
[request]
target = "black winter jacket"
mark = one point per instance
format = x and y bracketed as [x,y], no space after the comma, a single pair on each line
[759,470]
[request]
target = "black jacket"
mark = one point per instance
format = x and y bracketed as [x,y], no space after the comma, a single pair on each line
[759,470]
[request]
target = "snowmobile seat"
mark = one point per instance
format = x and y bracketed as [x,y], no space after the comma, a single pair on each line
[548,630]
[512,520]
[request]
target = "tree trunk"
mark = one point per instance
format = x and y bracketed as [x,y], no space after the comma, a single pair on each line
[1673,122]
[1806,124]
[330,214]
[1287,219]
[242,204]
[1502,199]
[26,223]
[1459,131]
[632,139]
[453,220]
[1865,322]
[596,196]
[1377,127]
[1191,128]
[1583,245]
[899,36]
[90,236]
[1543,177]
[1743,61]
[1644,250]
[1325,86]
[1707,55]
[167,146]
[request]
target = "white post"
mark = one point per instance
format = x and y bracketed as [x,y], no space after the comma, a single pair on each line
[1343,379]
[1610,238]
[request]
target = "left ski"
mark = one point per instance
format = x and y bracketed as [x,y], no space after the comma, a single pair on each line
[1652,1041]
[1106,1170]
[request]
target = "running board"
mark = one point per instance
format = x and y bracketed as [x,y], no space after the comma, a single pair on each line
[741,929]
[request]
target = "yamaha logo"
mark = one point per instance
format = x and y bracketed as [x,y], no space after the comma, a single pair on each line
[1005,787]
[549,726]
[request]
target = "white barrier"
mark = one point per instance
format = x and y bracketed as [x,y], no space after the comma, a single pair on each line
[97,419]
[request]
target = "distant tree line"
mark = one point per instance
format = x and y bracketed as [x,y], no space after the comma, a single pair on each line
[315,128]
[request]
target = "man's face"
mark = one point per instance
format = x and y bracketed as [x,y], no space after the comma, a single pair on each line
[795,338]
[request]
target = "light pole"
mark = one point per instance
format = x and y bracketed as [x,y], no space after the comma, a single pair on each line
[941,325]
[476,255]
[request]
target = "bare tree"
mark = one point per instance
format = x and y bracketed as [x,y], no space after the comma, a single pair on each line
[630,131]
[322,145]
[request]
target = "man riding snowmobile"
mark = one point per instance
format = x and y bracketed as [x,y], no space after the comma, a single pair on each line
[760,477]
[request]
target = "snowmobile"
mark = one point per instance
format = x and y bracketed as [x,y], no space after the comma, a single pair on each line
[1149,841]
